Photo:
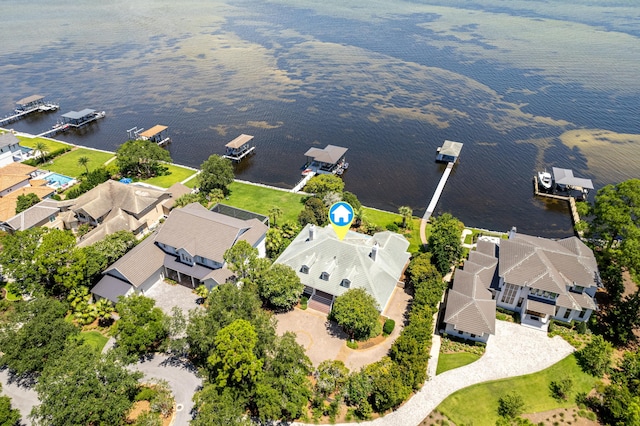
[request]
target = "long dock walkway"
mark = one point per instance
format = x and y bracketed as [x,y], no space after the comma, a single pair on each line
[303,182]
[434,201]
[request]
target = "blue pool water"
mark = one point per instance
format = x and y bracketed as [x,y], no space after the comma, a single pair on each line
[61,180]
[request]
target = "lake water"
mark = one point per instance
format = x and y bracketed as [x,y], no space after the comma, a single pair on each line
[523,84]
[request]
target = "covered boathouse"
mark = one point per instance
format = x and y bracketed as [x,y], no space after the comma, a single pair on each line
[449,152]
[157,134]
[239,148]
[330,159]
[80,118]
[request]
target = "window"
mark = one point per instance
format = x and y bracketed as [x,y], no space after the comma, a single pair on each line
[509,293]
[324,276]
[345,283]
[577,289]
[304,269]
[186,258]
[520,300]
[473,335]
[582,313]
[567,313]
[460,332]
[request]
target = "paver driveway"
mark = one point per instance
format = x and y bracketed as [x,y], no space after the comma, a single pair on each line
[513,351]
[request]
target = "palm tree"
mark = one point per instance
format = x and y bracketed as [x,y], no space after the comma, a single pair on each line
[83,161]
[104,311]
[358,217]
[275,212]
[406,213]
[40,149]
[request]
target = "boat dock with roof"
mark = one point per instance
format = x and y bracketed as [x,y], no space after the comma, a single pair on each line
[74,119]
[239,148]
[28,105]
[157,134]
[330,159]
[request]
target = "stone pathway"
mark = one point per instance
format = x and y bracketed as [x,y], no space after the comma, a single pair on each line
[513,351]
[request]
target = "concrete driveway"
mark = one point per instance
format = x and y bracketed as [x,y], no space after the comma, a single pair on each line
[182,379]
[324,340]
[22,397]
[513,351]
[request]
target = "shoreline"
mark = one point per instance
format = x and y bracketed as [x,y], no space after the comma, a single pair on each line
[196,170]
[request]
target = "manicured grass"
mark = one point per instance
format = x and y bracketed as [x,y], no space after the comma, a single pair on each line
[450,361]
[176,174]
[51,145]
[94,339]
[478,404]
[67,164]
[191,183]
[383,218]
[260,200]
[468,239]
[12,296]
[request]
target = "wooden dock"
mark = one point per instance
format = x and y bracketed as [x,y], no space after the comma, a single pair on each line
[572,201]
[434,201]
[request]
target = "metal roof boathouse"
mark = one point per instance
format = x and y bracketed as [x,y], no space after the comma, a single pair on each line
[80,118]
[449,152]
[330,159]
[239,148]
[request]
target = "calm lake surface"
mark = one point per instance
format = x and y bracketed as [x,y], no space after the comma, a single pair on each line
[525,85]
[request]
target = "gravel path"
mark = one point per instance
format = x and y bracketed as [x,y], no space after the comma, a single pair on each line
[513,351]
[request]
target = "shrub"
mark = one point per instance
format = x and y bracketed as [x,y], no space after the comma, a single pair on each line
[50,155]
[388,327]
[595,357]
[510,405]
[393,227]
[304,300]
[146,394]
[581,327]
[562,388]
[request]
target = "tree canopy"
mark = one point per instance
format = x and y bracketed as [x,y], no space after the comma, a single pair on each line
[142,159]
[445,242]
[216,173]
[142,327]
[83,387]
[41,338]
[240,257]
[25,201]
[321,184]
[356,311]
[8,416]
[280,287]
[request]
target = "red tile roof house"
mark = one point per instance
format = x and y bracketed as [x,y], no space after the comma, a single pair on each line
[188,248]
[539,278]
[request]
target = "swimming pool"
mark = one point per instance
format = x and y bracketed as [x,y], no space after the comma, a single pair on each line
[58,180]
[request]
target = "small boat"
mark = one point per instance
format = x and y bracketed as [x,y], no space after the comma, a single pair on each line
[544,179]
[306,171]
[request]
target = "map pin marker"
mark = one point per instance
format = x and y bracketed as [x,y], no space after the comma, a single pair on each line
[341,216]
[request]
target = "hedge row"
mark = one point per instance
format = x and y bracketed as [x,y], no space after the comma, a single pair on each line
[33,162]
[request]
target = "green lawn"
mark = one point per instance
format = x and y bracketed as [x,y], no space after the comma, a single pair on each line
[67,164]
[383,218]
[94,339]
[12,296]
[478,404]
[450,361]
[260,200]
[51,145]
[176,174]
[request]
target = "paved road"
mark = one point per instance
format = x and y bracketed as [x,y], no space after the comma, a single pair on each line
[513,351]
[182,379]
[23,398]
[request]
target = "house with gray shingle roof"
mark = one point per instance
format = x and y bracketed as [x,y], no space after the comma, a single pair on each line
[188,248]
[539,278]
[328,266]
[470,310]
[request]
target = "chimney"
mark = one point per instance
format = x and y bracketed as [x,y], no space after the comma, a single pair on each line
[312,232]
[512,233]
[374,251]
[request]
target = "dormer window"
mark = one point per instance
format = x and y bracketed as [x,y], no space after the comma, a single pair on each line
[345,283]
[324,276]
[185,258]
[304,269]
